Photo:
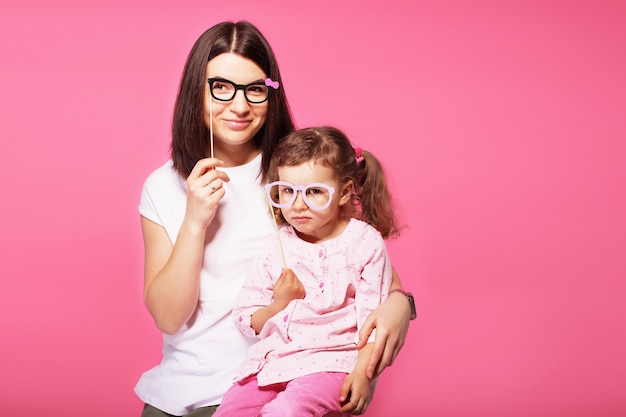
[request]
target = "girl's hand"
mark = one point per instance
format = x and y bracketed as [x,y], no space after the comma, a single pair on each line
[288,287]
[391,321]
[355,394]
[204,191]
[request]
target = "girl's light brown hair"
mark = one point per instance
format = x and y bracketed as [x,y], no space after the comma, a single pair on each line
[330,147]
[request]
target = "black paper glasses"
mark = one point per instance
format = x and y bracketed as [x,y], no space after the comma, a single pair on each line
[225,90]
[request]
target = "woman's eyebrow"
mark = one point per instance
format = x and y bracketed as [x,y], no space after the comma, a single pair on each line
[219,77]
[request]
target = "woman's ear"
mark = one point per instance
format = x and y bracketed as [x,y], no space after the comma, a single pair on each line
[346,192]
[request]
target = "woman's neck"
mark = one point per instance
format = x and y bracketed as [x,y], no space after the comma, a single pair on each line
[235,155]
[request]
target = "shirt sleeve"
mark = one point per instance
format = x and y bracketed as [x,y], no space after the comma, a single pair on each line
[375,281]
[147,207]
[257,291]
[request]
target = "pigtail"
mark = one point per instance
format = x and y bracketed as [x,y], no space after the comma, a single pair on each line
[375,201]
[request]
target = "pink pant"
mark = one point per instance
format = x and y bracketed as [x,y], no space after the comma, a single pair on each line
[313,395]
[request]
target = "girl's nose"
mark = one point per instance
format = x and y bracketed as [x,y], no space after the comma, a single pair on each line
[299,201]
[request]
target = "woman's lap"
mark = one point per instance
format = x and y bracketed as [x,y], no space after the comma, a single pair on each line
[150,411]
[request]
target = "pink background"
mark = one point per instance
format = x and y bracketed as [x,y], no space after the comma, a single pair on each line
[502,125]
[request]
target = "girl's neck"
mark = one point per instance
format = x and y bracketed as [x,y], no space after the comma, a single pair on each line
[325,233]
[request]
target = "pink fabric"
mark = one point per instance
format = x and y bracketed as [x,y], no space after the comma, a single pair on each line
[345,278]
[313,395]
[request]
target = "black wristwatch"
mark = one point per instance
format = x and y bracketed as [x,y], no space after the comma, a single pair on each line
[409,297]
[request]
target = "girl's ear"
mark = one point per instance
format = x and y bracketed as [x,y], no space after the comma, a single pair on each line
[346,192]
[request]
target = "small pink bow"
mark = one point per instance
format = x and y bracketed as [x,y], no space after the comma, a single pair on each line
[271,83]
[357,154]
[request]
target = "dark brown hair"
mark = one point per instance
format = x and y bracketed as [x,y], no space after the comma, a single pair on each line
[328,146]
[190,135]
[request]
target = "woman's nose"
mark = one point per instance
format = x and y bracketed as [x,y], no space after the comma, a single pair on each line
[240,104]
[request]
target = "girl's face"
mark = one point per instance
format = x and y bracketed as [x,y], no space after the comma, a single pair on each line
[235,122]
[315,226]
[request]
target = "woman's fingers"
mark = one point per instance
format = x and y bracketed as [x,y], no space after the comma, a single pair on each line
[204,165]
[204,175]
[204,191]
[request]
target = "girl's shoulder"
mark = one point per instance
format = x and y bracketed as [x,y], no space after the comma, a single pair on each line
[361,228]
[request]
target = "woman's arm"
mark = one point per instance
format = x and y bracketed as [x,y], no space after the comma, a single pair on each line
[171,275]
[391,321]
[172,272]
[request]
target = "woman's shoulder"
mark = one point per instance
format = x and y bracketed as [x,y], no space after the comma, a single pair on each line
[163,176]
[162,194]
[164,171]
[163,183]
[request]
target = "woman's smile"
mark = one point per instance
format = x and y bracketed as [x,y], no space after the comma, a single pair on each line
[237,124]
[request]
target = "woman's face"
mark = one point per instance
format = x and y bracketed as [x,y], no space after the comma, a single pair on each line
[235,122]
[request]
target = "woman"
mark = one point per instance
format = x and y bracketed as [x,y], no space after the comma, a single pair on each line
[203,218]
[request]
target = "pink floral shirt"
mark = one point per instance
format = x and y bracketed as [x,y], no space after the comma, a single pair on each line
[345,278]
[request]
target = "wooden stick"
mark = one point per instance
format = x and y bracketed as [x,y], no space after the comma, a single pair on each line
[280,243]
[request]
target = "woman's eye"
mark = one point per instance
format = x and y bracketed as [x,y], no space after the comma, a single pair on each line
[257,90]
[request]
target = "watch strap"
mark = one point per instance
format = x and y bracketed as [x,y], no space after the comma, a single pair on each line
[409,297]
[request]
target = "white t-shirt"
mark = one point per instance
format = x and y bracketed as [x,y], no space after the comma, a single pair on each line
[200,361]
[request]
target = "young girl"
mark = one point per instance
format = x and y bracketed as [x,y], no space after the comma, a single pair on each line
[315,282]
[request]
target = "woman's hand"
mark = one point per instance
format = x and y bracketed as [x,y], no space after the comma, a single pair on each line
[391,321]
[204,191]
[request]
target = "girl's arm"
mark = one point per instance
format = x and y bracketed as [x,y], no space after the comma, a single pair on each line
[391,321]
[355,393]
[288,287]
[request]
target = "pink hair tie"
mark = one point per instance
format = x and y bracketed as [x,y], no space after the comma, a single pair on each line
[357,154]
